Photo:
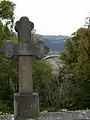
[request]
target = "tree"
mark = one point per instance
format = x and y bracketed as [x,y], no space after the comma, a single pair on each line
[76,70]
[7,12]
[46,84]
[42,76]
[6,24]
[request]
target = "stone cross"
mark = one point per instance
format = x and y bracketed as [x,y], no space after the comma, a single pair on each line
[23,28]
[26,103]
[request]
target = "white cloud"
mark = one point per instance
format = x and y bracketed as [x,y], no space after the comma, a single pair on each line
[54,16]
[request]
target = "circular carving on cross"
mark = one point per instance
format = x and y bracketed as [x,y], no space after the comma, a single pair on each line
[24,27]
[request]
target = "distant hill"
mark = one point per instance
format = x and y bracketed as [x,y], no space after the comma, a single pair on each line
[55,43]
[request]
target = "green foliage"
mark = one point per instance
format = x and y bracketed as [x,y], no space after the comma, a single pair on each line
[6,9]
[6,22]
[7,12]
[46,84]
[76,66]
[42,76]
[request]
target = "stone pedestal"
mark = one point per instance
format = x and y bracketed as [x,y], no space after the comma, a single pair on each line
[26,105]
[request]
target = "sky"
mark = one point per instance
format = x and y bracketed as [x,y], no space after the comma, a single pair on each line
[54,17]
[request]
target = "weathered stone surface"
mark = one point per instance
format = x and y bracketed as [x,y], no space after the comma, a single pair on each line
[25,75]
[7,49]
[71,115]
[25,45]
[7,117]
[26,105]
[24,27]
[11,49]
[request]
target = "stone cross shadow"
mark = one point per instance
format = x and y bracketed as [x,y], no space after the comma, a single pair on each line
[26,102]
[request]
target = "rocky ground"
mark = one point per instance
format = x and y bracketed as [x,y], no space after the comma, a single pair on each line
[70,115]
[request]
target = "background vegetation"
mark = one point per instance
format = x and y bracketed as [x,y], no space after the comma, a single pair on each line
[68,90]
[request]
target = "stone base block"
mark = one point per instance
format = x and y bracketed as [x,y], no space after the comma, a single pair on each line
[26,105]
